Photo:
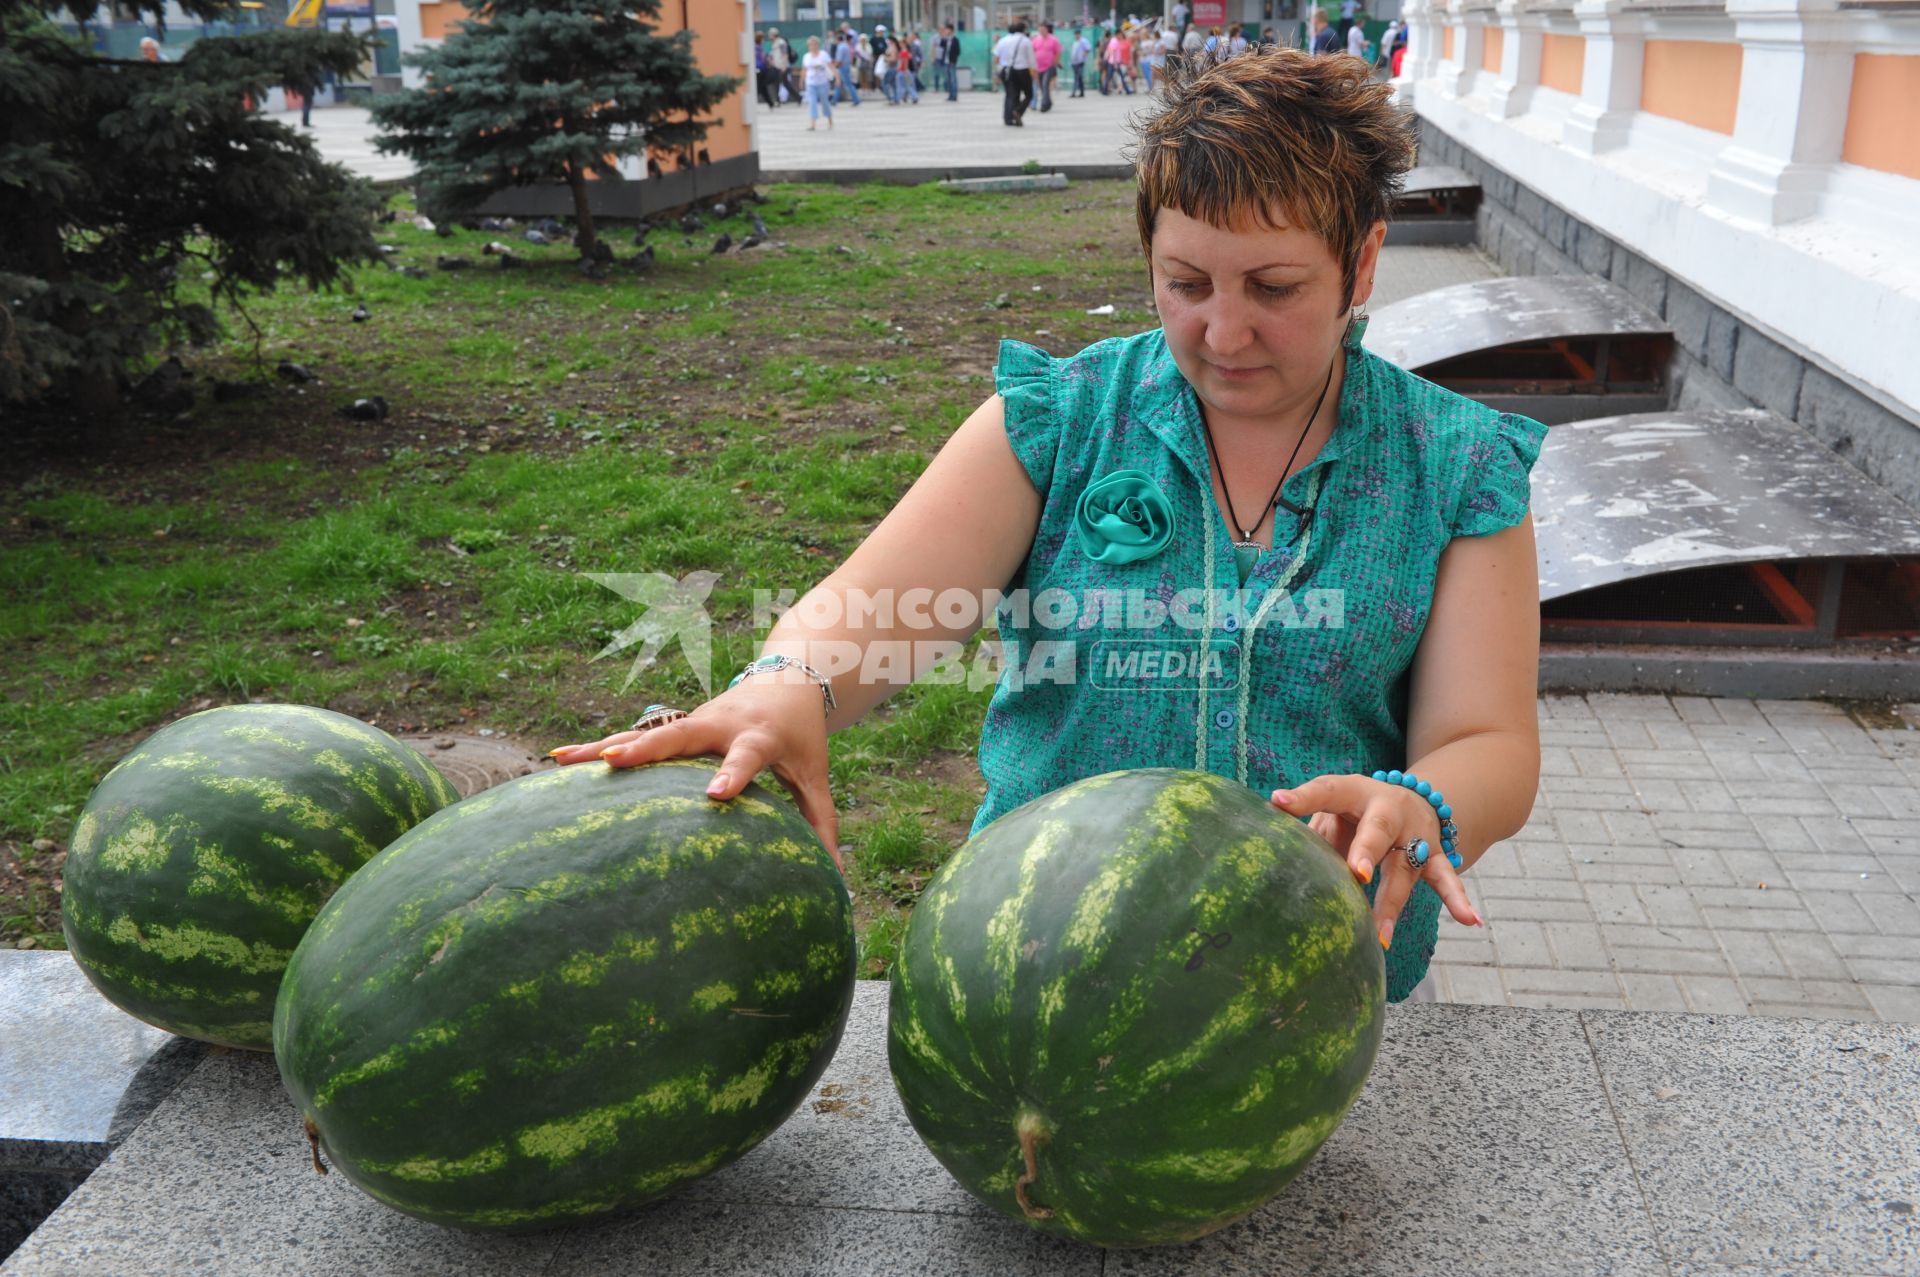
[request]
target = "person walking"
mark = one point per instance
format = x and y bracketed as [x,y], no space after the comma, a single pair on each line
[1236,40]
[1357,36]
[949,52]
[904,79]
[1324,39]
[763,73]
[863,54]
[1046,64]
[780,57]
[1159,46]
[1116,62]
[1082,50]
[817,69]
[843,57]
[1014,54]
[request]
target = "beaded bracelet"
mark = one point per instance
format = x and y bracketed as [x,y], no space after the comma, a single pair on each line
[1449,831]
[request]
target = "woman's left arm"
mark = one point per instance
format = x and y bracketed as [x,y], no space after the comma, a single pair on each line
[1473,726]
[1472,731]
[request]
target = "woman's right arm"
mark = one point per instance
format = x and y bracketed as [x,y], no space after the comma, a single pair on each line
[965,525]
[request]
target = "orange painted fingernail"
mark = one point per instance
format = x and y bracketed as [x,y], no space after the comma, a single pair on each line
[555,753]
[1366,872]
[1384,942]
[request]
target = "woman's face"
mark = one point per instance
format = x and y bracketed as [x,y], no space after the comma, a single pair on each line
[1252,316]
[813,44]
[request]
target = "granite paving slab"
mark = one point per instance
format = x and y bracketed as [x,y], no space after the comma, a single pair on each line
[1766,1146]
[77,1075]
[1488,1141]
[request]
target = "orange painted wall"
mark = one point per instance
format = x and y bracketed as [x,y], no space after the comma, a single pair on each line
[1446,44]
[438,16]
[1880,114]
[717,27]
[1563,62]
[1492,44]
[1694,81]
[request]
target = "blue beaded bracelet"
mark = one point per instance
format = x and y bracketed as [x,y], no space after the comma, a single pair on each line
[1449,832]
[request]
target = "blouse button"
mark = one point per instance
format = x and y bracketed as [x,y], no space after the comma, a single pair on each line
[1224,719]
[1231,624]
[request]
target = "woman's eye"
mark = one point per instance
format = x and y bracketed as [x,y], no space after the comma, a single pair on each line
[1278,292]
[1183,286]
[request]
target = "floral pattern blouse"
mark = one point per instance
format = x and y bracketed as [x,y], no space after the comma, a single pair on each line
[1128,637]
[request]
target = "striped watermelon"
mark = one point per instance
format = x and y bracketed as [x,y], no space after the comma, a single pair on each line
[1130,1011]
[568,995]
[200,859]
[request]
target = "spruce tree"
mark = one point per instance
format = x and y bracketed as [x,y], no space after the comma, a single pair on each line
[125,183]
[536,91]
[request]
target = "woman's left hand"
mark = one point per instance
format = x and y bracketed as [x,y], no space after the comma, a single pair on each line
[1362,818]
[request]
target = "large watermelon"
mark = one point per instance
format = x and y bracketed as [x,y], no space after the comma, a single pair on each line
[200,859]
[1130,1011]
[568,995]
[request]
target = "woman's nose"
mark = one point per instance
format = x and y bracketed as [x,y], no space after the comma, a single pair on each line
[1229,329]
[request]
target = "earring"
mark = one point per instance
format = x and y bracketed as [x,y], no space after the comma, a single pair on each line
[1356,327]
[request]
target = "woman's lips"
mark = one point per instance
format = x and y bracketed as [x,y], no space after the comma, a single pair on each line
[1237,374]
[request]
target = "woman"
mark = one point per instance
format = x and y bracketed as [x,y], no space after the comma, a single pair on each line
[904,77]
[1353,541]
[1153,58]
[863,52]
[817,67]
[1117,61]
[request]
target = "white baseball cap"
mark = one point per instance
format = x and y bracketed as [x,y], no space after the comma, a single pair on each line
[879,27]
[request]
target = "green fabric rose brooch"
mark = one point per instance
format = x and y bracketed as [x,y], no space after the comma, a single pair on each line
[1123,518]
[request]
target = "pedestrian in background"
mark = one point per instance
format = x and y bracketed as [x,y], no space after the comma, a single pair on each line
[843,60]
[780,58]
[1236,40]
[1082,50]
[1014,54]
[904,79]
[950,59]
[1046,64]
[817,70]
[1357,36]
[1324,40]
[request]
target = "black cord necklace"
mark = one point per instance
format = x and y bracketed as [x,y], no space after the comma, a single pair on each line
[1244,535]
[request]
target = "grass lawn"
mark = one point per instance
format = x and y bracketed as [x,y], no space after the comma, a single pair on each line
[752,414]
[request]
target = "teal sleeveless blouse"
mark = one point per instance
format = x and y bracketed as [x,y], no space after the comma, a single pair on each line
[1139,644]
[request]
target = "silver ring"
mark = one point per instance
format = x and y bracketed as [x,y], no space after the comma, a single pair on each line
[656,716]
[1416,852]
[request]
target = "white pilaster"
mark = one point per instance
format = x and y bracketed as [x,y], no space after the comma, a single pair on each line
[1796,78]
[1457,75]
[1512,92]
[1616,48]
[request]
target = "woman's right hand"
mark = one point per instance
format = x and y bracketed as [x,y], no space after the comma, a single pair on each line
[756,724]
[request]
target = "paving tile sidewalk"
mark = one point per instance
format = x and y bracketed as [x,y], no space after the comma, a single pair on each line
[1705,854]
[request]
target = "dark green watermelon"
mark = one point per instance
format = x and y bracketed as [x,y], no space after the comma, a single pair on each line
[1130,1011]
[200,859]
[568,995]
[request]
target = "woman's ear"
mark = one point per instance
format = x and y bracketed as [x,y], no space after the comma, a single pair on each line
[1367,264]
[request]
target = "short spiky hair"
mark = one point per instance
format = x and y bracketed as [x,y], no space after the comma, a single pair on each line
[1261,137]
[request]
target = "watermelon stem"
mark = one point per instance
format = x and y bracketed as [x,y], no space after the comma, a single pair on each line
[313,1146]
[1033,1132]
